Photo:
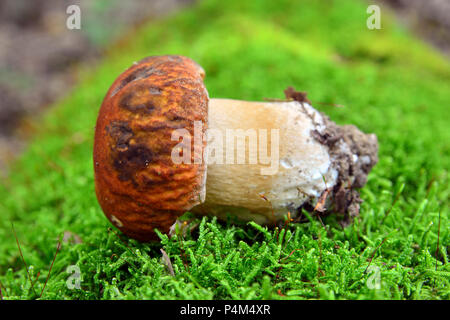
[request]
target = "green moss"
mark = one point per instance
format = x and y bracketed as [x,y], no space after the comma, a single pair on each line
[389,83]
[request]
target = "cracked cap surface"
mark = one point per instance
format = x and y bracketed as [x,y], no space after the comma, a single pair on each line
[137,184]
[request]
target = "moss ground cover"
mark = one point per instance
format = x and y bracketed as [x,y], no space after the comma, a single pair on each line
[389,83]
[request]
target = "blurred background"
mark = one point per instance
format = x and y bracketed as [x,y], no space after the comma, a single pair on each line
[38,54]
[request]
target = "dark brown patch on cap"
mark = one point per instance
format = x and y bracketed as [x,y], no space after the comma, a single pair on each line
[130,160]
[144,107]
[120,132]
[137,74]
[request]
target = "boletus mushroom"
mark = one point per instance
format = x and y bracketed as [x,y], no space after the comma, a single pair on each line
[162,148]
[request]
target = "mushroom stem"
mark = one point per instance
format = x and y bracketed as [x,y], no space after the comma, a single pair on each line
[266,159]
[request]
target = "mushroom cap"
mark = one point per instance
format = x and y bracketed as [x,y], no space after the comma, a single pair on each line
[137,184]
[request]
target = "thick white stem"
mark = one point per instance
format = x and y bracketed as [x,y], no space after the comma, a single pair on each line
[291,165]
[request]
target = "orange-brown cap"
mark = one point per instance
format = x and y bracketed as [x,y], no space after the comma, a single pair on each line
[137,184]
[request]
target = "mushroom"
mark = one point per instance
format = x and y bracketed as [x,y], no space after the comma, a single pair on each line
[162,148]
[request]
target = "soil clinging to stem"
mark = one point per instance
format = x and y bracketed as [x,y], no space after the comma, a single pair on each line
[353,154]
